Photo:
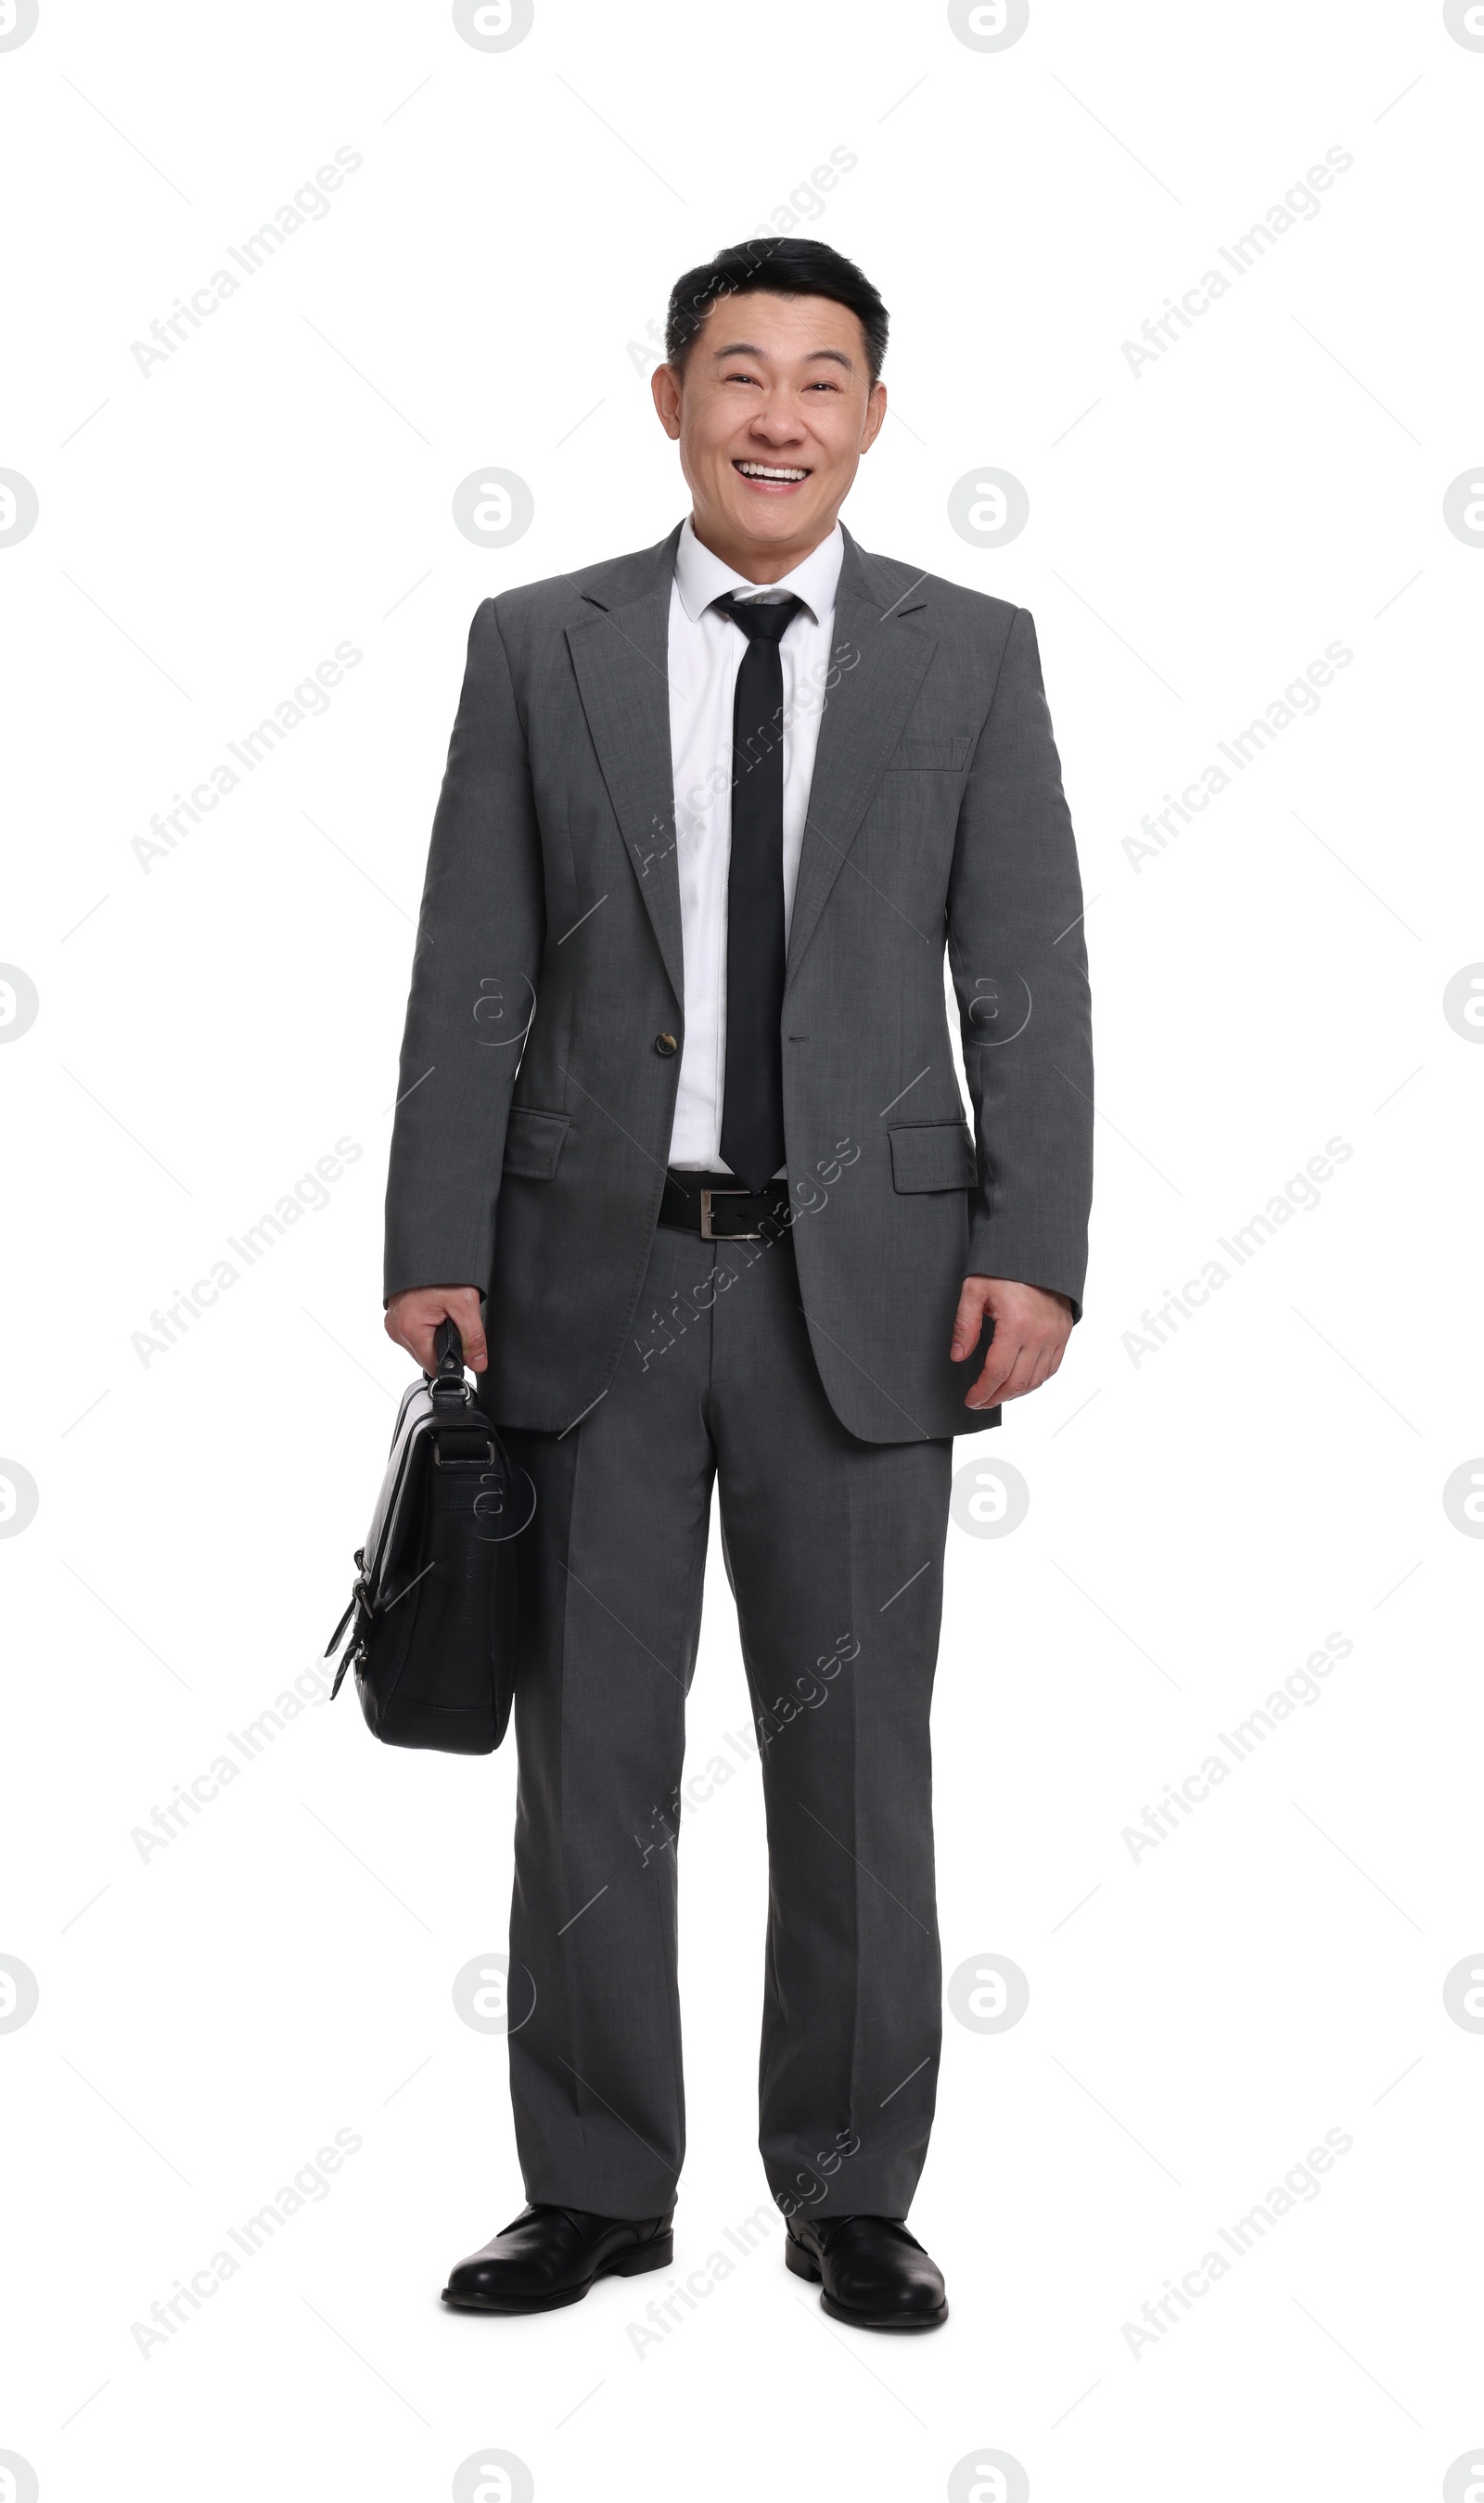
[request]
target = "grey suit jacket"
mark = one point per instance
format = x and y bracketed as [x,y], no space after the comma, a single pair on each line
[535,1108]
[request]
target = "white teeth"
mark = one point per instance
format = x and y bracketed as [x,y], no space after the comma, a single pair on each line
[760,470]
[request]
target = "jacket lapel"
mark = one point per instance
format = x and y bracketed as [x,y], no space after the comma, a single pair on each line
[883,659]
[619,654]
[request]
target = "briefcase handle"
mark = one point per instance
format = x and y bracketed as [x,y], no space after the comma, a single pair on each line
[447,1381]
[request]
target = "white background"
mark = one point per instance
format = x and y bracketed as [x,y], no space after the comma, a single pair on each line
[1200,1519]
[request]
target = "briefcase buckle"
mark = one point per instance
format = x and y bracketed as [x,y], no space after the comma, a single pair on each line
[707,1236]
[484,1461]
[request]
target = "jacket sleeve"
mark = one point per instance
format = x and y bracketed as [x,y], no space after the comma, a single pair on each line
[1019,962]
[480,937]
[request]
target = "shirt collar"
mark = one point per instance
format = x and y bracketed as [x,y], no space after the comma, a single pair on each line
[702,577]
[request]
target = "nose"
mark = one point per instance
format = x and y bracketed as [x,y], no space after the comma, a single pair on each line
[777,422]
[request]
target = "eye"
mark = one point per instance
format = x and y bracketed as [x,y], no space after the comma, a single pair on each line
[739,378]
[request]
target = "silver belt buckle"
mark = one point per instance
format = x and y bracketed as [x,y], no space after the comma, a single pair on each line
[707,1196]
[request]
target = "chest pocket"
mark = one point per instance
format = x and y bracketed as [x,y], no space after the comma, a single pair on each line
[929,755]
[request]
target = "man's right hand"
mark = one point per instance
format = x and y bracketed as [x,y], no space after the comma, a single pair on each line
[413,1317]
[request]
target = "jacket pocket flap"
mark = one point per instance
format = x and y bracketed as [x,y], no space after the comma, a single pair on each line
[533,1143]
[928,756]
[933,1155]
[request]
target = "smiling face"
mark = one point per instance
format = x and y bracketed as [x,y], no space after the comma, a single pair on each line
[772,410]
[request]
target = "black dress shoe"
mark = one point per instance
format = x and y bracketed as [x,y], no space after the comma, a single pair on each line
[552,2256]
[874,2273]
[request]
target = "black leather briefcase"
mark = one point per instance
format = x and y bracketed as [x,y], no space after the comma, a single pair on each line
[433,1614]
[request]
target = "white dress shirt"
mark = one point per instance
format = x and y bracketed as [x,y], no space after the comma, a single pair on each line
[705,654]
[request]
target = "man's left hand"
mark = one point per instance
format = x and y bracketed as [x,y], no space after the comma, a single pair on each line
[1032,1328]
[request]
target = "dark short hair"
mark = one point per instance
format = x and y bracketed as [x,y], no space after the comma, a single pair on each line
[774,266]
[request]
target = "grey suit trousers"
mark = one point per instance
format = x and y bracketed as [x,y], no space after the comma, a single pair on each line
[834,1550]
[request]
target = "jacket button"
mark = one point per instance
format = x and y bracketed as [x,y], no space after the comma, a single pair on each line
[666,1045]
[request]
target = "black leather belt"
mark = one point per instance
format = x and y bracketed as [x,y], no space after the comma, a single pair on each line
[720,1209]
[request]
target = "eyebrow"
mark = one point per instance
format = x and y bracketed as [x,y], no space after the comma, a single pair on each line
[745,347]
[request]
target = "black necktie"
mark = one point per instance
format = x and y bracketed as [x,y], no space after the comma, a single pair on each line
[751,1106]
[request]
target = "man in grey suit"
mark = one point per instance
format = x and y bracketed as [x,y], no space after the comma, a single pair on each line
[678,1102]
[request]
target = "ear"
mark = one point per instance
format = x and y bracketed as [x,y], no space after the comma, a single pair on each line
[664,384]
[875,414]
